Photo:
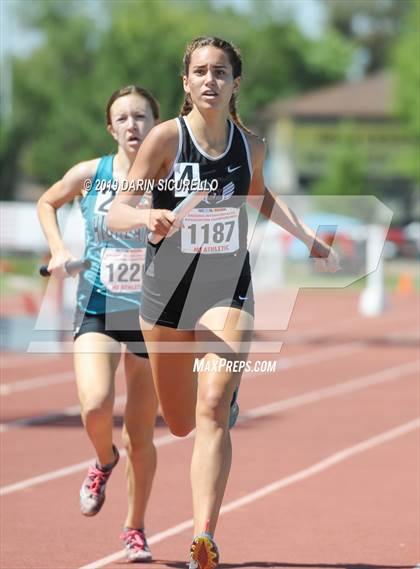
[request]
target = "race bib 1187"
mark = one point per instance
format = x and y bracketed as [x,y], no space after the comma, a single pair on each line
[210,231]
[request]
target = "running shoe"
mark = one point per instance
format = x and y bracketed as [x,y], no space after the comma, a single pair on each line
[92,492]
[234,409]
[203,553]
[136,547]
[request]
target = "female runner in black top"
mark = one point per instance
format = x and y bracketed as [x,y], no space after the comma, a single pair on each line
[197,284]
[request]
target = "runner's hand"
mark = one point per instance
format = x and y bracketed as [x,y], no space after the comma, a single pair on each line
[330,264]
[57,262]
[160,221]
[326,259]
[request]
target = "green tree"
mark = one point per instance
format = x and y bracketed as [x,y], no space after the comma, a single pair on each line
[11,142]
[55,102]
[90,50]
[372,25]
[346,170]
[406,74]
[345,178]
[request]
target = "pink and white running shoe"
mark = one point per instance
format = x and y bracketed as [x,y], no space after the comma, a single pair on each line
[92,492]
[136,547]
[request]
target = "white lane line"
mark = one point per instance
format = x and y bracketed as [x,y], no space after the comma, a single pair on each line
[78,467]
[391,374]
[19,361]
[24,384]
[36,382]
[281,363]
[313,356]
[74,410]
[398,372]
[285,363]
[71,411]
[406,335]
[325,331]
[316,356]
[264,491]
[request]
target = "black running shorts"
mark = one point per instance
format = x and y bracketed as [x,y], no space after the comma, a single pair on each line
[122,326]
[180,306]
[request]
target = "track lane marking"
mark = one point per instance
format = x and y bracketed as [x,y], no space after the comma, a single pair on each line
[8,361]
[36,382]
[353,385]
[282,363]
[315,356]
[70,411]
[264,491]
[8,388]
[73,468]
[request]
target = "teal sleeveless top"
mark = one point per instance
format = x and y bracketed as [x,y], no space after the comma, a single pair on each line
[113,282]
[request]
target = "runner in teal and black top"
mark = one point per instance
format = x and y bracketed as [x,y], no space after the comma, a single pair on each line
[113,281]
[107,315]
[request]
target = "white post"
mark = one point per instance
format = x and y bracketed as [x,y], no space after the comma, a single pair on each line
[269,267]
[372,300]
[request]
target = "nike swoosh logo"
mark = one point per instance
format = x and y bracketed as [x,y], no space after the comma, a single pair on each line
[242,297]
[230,169]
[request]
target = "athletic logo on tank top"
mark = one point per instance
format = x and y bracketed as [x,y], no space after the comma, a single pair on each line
[221,194]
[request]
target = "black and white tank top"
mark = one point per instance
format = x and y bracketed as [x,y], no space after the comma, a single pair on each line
[213,238]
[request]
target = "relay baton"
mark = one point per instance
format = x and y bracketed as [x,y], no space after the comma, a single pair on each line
[181,210]
[70,267]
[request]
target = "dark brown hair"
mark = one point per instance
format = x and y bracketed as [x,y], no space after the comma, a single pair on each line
[235,60]
[129,90]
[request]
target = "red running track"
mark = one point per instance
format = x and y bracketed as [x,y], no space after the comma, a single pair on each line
[326,456]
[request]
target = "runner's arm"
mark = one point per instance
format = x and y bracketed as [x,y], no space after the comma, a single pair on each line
[60,193]
[152,162]
[275,209]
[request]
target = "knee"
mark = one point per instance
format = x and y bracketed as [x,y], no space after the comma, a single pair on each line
[180,429]
[212,406]
[138,443]
[96,409]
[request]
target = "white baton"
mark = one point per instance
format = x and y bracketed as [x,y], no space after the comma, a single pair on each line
[181,210]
